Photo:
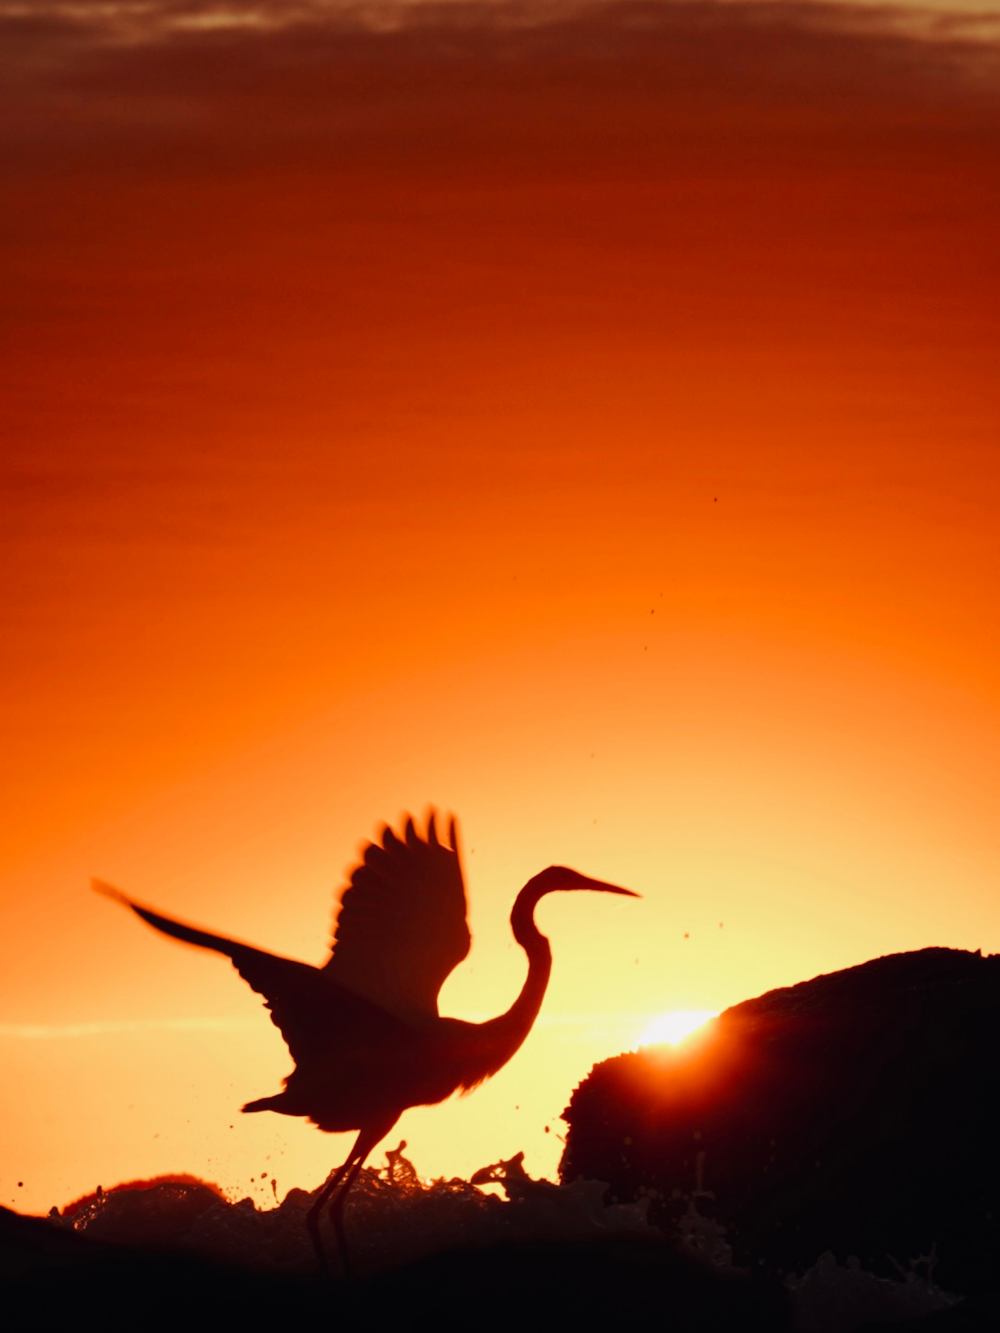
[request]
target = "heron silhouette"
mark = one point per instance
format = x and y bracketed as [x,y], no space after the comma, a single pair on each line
[364,1029]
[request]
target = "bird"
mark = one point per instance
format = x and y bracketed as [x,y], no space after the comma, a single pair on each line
[364,1030]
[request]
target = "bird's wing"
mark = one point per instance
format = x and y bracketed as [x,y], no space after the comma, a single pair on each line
[304,1007]
[401,927]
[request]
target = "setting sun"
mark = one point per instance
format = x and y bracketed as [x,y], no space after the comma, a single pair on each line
[671,1029]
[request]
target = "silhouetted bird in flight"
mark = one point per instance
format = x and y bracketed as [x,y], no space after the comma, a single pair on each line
[364,1029]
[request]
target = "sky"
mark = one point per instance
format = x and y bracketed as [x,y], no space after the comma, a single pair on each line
[582,418]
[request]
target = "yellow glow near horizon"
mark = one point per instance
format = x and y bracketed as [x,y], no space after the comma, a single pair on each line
[673,1028]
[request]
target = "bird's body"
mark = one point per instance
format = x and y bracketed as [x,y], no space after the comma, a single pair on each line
[364,1029]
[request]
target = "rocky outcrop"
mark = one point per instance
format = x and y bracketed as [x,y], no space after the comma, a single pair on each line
[856,1113]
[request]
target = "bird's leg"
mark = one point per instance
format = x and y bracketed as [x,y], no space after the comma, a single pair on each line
[336,1188]
[315,1212]
[337,1216]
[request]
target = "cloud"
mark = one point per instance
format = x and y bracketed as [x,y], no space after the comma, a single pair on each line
[70,1031]
[264,75]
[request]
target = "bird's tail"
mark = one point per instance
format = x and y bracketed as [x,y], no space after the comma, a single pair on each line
[275,1103]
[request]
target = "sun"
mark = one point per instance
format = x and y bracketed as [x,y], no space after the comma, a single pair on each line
[673,1028]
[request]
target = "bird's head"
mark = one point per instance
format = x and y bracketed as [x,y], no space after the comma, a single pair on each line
[556,879]
[559,879]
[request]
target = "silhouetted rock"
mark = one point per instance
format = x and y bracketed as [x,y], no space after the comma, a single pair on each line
[855,1113]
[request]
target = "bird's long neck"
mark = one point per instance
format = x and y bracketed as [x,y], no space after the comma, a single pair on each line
[524,1010]
[502,1036]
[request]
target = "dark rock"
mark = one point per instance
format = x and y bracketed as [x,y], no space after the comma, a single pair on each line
[857,1113]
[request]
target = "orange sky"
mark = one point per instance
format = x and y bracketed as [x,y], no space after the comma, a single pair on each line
[589,427]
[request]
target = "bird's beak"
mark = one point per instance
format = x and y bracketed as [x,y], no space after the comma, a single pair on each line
[572,879]
[603,887]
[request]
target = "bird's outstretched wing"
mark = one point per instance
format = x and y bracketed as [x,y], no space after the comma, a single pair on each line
[307,1011]
[401,927]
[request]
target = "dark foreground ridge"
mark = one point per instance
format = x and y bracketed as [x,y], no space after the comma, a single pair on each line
[163,1253]
[51,1278]
[855,1113]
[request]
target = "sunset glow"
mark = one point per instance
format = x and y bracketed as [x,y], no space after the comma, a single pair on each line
[673,1028]
[586,425]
